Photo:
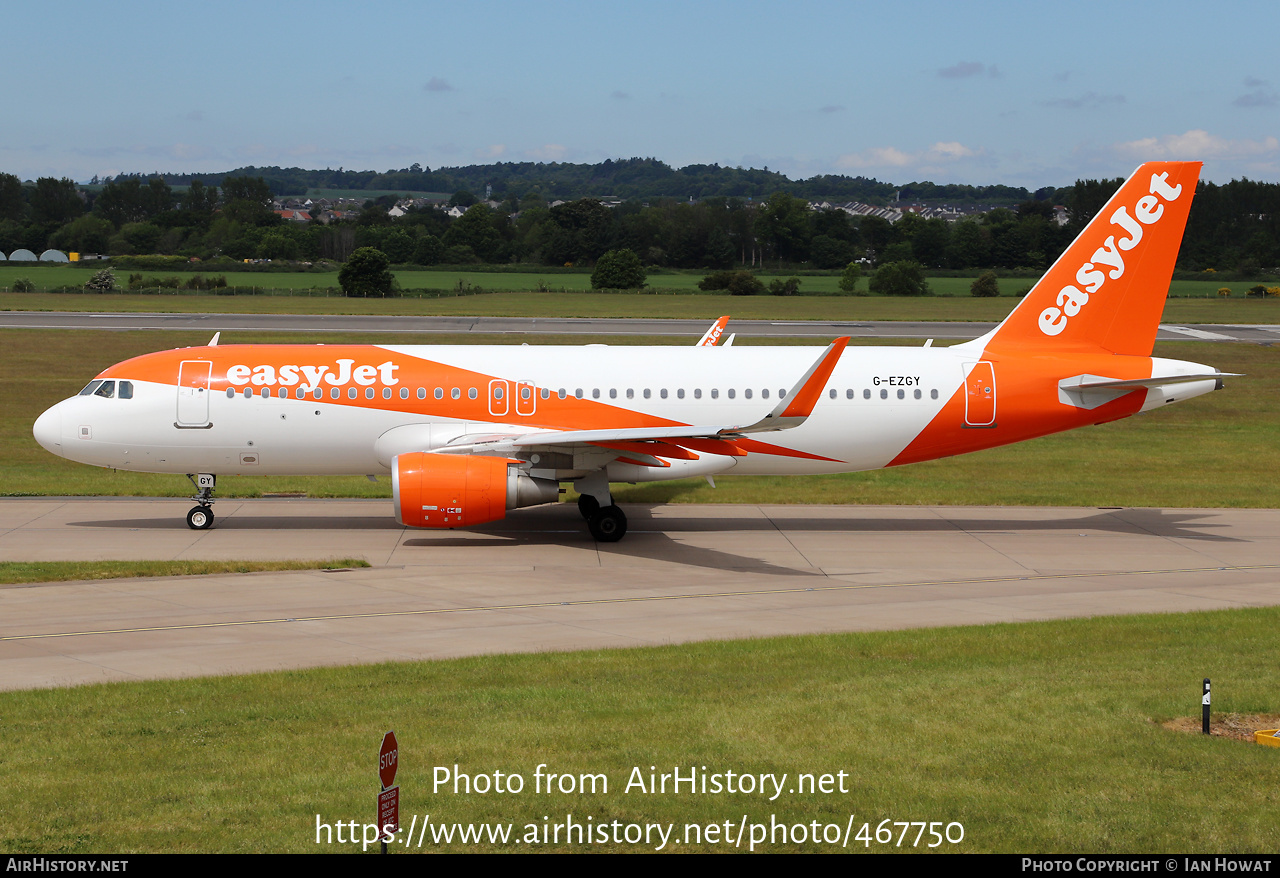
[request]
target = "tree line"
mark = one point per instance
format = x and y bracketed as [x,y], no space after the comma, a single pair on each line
[1233,227]
[642,178]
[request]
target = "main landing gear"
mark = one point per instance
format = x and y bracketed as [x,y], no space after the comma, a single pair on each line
[201,516]
[607,524]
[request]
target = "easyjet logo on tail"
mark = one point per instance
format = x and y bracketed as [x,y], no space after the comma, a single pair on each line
[1108,260]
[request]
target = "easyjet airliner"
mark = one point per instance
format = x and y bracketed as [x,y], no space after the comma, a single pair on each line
[469,432]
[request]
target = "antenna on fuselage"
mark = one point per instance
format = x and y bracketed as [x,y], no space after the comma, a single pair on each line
[213,342]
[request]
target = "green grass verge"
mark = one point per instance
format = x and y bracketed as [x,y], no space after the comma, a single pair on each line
[1205,452]
[16,572]
[1036,737]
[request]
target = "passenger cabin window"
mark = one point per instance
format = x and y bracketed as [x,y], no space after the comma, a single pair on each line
[439,393]
[832,393]
[422,393]
[933,394]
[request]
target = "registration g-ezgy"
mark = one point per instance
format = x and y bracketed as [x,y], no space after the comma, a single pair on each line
[470,432]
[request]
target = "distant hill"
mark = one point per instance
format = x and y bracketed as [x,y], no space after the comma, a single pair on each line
[634,178]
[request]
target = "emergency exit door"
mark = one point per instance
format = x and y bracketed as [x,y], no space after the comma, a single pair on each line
[980,395]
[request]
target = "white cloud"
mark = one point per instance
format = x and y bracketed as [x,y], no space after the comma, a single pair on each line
[550,152]
[892,157]
[949,150]
[1195,145]
[436,83]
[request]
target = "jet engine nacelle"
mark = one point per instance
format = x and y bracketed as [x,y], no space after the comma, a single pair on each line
[452,490]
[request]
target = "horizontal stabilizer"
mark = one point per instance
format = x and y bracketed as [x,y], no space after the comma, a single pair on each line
[1091,391]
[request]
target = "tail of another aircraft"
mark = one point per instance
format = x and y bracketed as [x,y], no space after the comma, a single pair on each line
[1107,290]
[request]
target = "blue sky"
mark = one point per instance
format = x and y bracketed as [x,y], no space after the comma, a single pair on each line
[1014,93]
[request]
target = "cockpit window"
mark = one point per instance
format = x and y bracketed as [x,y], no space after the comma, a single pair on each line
[106,390]
[126,390]
[90,387]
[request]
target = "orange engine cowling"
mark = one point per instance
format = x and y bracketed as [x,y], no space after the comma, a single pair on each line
[450,490]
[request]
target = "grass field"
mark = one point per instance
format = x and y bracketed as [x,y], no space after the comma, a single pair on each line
[46,277]
[1034,737]
[16,572]
[1205,452]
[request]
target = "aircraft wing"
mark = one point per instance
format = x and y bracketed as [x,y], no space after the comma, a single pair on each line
[678,439]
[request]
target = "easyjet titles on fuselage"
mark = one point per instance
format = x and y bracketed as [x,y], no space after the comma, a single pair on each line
[1148,211]
[309,377]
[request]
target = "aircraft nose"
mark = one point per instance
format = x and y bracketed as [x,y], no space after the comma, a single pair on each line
[48,430]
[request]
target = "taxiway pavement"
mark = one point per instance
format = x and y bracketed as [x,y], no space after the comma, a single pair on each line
[537,581]
[334,323]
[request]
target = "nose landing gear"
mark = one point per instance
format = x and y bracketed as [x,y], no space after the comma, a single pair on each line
[201,516]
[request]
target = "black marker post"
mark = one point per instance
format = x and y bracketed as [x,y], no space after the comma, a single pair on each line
[1204,702]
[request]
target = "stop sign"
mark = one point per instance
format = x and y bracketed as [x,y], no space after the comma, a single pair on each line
[388,760]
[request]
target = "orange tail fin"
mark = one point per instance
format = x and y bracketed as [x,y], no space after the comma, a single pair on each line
[1107,290]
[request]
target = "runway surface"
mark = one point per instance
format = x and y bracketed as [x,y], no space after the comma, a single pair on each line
[537,582]
[320,323]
